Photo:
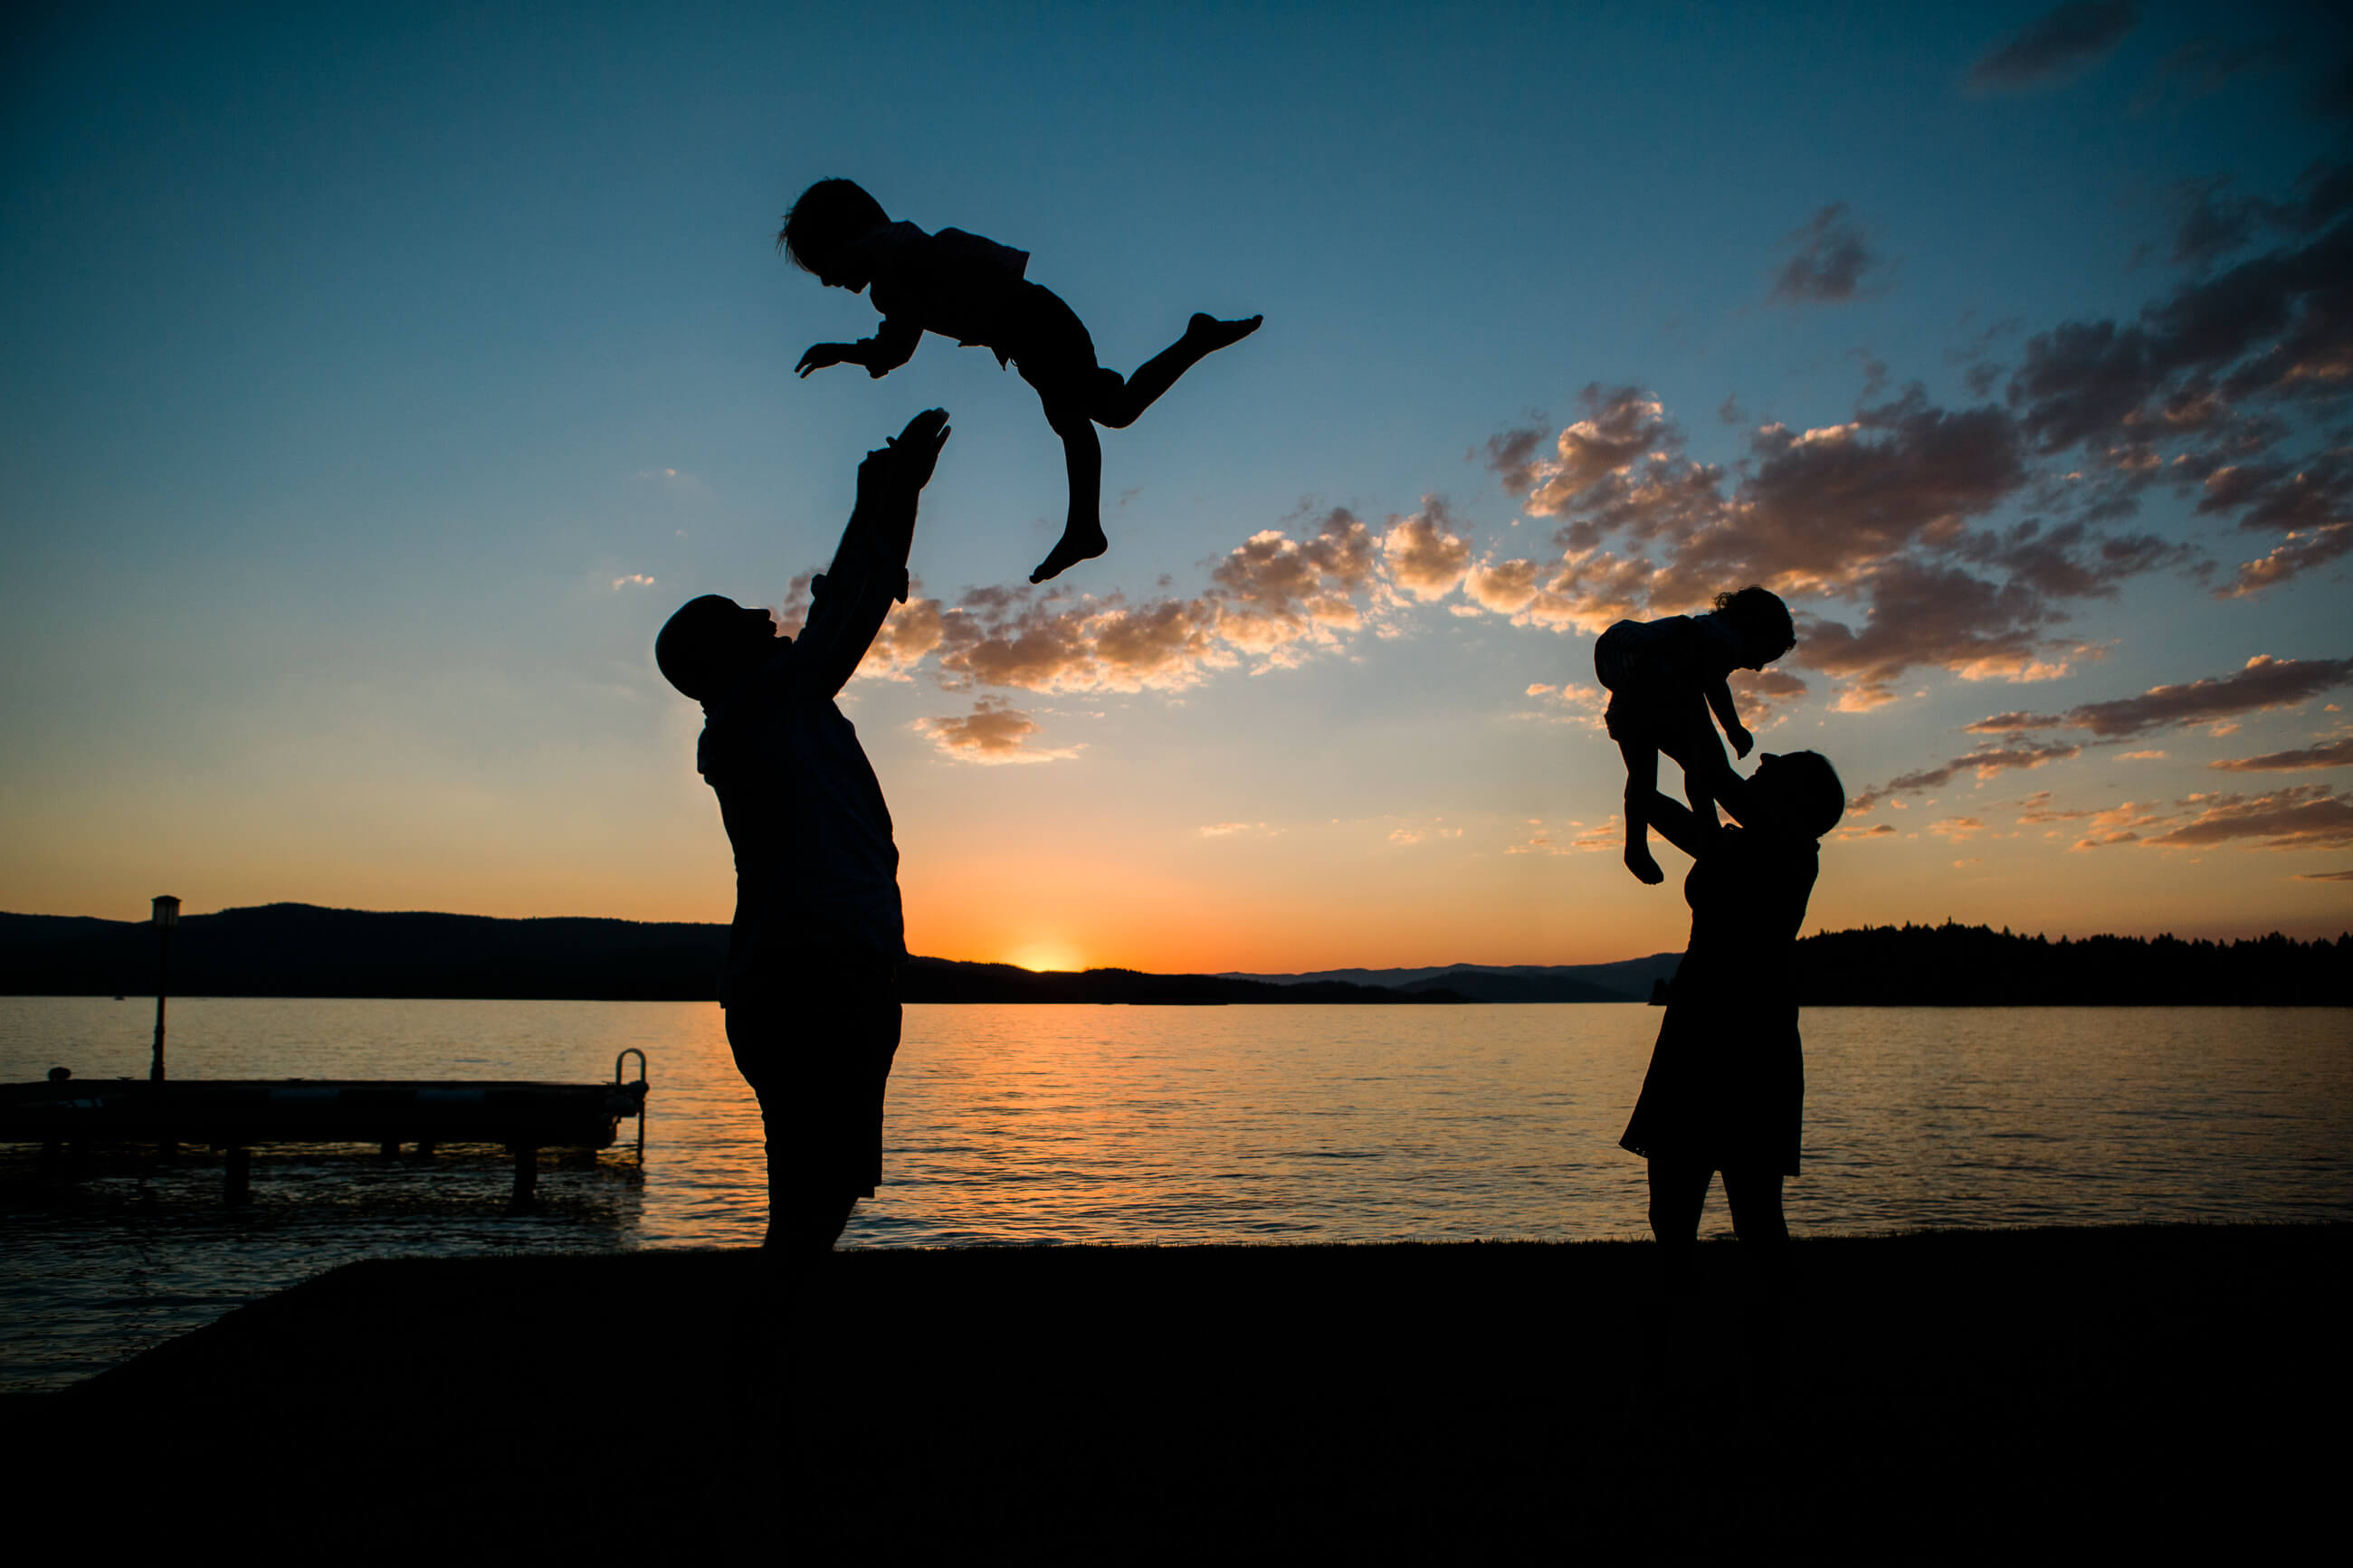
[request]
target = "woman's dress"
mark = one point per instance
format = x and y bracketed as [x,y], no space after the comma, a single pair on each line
[1727,1078]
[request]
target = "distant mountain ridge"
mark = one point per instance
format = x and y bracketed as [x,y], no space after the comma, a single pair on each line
[301,949]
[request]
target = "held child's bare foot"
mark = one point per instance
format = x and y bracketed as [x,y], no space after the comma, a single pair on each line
[1646,869]
[1079,543]
[1209,334]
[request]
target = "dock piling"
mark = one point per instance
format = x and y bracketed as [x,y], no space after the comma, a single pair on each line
[526,1174]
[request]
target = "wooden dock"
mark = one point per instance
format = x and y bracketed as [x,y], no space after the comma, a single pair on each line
[65,1115]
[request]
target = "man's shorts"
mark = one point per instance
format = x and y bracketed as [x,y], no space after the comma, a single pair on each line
[819,1055]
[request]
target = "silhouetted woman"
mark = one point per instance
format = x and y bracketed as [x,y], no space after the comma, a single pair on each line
[1728,1078]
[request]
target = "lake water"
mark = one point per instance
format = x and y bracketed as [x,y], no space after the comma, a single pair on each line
[1039,1124]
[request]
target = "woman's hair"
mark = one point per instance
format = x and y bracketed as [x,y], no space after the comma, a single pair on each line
[1760,618]
[828,214]
[1815,791]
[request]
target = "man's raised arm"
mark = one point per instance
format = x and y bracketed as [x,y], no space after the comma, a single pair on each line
[868,573]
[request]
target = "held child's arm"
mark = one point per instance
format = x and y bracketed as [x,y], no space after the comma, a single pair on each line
[1719,702]
[868,574]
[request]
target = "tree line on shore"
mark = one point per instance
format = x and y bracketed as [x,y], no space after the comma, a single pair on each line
[300,950]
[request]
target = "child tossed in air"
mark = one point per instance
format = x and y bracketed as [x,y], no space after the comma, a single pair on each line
[969,289]
[1664,676]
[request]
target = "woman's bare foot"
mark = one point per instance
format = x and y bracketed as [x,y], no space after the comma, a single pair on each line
[1209,334]
[1645,868]
[1079,541]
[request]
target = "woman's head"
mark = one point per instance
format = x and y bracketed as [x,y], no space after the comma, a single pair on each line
[1800,789]
[830,216]
[1761,619]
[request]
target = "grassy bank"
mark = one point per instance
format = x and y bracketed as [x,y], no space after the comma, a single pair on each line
[2020,1391]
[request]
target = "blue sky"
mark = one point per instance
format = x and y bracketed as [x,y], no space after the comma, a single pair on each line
[363,365]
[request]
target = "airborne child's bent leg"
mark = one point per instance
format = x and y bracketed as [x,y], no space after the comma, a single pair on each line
[1203,336]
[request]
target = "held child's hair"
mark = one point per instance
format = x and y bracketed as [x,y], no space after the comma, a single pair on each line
[1761,619]
[828,214]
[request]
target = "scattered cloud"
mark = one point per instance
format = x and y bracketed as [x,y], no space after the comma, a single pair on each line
[2265,683]
[2324,876]
[1829,260]
[2300,816]
[632,580]
[992,732]
[2037,809]
[2337,753]
[1571,839]
[1228,829]
[1426,557]
[2059,45]
[1986,762]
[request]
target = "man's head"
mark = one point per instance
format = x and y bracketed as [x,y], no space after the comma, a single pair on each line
[710,643]
[820,231]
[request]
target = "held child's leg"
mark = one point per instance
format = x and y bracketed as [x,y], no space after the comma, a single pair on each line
[1082,535]
[1641,779]
[1119,402]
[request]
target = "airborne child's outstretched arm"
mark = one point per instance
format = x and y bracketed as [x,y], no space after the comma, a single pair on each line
[893,345]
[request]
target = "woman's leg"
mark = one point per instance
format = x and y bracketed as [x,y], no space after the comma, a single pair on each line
[1678,1193]
[1121,401]
[1082,535]
[1755,1195]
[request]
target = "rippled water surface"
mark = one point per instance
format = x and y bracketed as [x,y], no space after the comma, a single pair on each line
[1023,1124]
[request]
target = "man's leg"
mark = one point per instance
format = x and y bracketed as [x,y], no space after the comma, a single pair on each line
[819,1071]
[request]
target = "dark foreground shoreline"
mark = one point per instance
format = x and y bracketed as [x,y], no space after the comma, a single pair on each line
[2026,1392]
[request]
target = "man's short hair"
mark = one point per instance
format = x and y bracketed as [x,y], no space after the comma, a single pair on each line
[687,648]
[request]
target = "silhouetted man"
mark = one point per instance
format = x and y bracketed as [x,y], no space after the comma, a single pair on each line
[812,959]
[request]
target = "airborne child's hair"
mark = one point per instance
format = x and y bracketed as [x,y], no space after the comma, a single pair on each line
[828,215]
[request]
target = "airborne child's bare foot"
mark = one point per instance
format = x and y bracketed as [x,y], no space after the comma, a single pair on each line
[1645,868]
[1079,541]
[1209,334]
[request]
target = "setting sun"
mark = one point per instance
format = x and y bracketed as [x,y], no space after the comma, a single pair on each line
[1047,953]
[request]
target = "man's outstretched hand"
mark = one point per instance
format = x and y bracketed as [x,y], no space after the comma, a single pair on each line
[902,467]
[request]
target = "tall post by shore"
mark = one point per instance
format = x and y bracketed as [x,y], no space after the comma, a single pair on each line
[168,915]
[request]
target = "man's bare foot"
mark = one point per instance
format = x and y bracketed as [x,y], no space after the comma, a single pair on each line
[1645,868]
[1078,543]
[1209,334]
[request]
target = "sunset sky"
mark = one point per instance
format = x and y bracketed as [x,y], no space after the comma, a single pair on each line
[377,379]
